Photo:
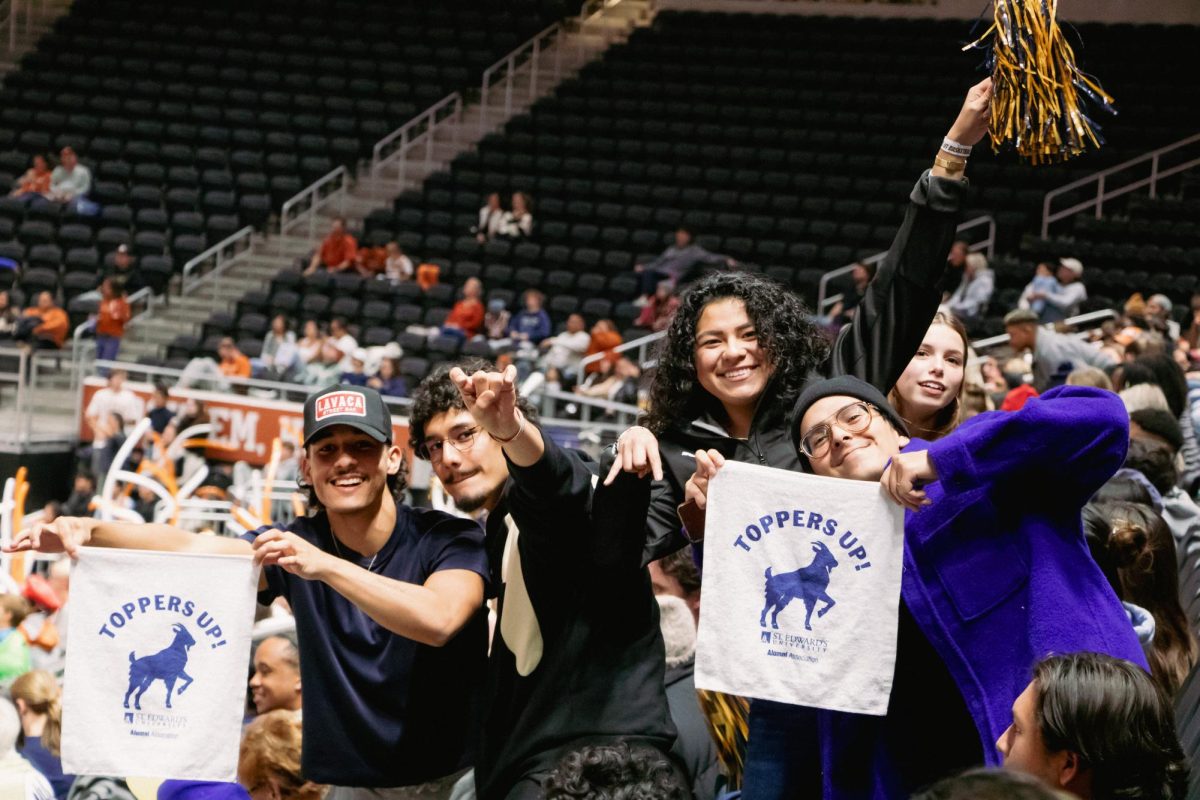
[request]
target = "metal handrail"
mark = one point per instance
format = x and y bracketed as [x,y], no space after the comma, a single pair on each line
[1101,180]
[421,129]
[642,343]
[312,196]
[988,244]
[192,276]
[528,53]
[1079,319]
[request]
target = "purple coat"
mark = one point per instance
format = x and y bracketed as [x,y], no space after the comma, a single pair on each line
[997,573]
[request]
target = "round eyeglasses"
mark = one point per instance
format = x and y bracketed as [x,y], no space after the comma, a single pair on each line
[853,418]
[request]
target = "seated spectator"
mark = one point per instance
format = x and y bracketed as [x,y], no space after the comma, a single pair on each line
[1135,549]
[388,381]
[496,322]
[1089,376]
[326,368]
[427,275]
[1156,461]
[36,180]
[310,343]
[124,271]
[8,316]
[491,218]
[615,381]
[45,325]
[160,412]
[14,652]
[343,340]
[1096,727]
[656,314]
[1064,301]
[1052,351]
[111,318]
[337,251]
[234,363]
[518,222]
[275,683]
[38,699]
[280,355]
[70,182]
[357,374]
[83,491]
[970,300]
[616,770]
[466,318]
[604,339]
[269,760]
[532,323]
[1043,283]
[676,264]
[369,261]
[1158,309]
[567,349]
[19,779]
[397,266]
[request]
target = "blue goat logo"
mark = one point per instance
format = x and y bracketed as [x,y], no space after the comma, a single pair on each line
[809,584]
[165,665]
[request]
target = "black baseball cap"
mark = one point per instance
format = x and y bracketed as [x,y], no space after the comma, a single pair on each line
[356,406]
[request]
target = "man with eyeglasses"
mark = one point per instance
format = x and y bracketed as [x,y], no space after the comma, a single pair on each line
[388,601]
[577,656]
[997,574]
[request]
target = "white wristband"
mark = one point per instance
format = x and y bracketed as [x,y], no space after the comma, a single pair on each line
[955,149]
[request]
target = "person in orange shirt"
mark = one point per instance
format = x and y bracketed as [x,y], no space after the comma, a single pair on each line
[51,331]
[466,318]
[234,363]
[337,252]
[111,317]
[36,180]
[604,338]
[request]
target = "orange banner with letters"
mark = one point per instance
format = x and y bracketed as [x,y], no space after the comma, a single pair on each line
[244,426]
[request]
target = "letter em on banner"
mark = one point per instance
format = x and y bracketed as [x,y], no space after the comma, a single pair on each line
[155,674]
[801,589]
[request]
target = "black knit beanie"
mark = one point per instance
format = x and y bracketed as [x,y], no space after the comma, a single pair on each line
[848,386]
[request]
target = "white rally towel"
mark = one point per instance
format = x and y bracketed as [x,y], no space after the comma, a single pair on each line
[801,589]
[150,630]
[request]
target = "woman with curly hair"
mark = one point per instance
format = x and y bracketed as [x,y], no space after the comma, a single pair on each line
[269,760]
[735,358]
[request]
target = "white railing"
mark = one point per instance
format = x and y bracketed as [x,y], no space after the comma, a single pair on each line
[642,344]
[593,8]
[211,264]
[17,18]
[824,301]
[1103,178]
[420,131]
[305,205]
[505,70]
[1076,321]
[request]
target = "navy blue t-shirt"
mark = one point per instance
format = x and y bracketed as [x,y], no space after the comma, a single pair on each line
[379,709]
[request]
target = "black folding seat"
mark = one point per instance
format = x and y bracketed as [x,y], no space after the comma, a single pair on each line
[185,247]
[36,280]
[562,306]
[48,256]
[74,235]
[76,283]
[252,324]
[35,232]
[414,369]
[81,259]
[497,275]
[219,227]
[284,301]
[142,196]
[315,306]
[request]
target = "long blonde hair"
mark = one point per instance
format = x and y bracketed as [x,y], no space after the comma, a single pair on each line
[949,417]
[40,693]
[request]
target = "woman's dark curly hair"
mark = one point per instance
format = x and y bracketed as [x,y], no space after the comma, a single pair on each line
[794,345]
[615,772]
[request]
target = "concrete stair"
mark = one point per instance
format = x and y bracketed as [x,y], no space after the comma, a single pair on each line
[34,19]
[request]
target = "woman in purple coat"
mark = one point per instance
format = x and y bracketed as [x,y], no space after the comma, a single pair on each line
[997,574]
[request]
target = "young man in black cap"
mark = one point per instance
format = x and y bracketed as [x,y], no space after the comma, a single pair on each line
[388,602]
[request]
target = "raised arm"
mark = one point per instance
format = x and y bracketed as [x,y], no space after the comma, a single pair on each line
[892,318]
[1062,445]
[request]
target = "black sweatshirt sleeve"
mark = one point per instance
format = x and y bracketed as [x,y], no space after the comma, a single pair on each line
[892,318]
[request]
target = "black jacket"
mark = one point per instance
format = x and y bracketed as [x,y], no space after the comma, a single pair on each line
[886,331]
[600,677]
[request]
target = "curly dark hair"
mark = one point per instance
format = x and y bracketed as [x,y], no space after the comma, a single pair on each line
[437,394]
[793,343]
[988,784]
[615,772]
